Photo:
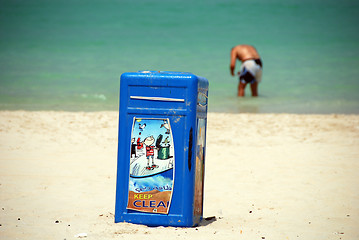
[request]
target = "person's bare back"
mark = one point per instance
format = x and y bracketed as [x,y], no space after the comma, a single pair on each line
[242,53]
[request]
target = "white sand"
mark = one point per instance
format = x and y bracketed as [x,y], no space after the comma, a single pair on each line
[268,176]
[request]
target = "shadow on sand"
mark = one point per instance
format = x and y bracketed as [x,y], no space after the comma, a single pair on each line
[207,221]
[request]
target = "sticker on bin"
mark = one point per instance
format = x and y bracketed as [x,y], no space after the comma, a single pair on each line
[151,165]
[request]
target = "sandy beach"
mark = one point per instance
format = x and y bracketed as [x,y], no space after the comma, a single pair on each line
[267,176]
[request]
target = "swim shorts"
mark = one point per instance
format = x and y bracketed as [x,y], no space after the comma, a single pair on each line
[251,71]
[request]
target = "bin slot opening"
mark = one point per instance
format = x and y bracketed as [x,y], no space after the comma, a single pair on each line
[157,99]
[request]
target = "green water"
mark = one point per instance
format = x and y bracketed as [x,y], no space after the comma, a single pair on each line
[69,55]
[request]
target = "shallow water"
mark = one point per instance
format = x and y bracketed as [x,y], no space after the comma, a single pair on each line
[57,55]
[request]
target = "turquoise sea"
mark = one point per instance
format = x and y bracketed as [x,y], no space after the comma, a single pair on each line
[69,54]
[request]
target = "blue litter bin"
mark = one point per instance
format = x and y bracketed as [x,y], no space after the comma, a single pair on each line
[161,148]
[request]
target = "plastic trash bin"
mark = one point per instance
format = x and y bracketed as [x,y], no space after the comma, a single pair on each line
[161,148]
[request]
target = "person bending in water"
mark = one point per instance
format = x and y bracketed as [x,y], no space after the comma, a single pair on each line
[251,68]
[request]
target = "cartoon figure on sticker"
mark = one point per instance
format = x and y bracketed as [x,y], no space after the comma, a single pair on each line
[155,153]
[150,153]
[141,127]
[139,143]
[133,147]
[166,126]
